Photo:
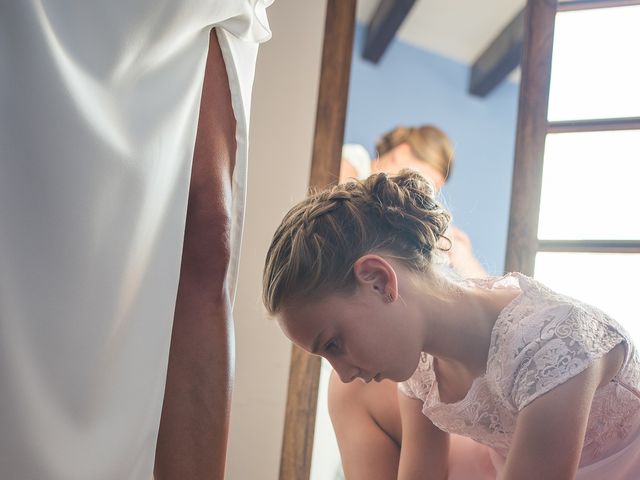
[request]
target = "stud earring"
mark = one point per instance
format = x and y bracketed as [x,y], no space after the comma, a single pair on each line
[388,298]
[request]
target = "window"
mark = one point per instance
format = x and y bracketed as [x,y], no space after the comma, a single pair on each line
[580,233]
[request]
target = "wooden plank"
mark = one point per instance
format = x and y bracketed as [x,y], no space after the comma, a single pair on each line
[590,246]
[304,371]
[530,136]
[333,91]
[383,27]
[630,123]
[573,5]
[300,416]
[499,59]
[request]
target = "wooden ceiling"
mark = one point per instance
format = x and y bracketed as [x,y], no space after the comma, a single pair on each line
[487,35]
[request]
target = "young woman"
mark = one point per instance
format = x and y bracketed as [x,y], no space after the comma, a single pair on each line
[549,384]
[366,417]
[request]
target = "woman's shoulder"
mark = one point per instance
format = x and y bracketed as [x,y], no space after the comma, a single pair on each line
[544,338]
[421,383]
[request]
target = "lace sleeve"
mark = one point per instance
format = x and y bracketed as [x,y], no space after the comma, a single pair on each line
[566,341]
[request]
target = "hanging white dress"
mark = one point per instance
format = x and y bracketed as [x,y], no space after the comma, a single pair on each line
[99,106]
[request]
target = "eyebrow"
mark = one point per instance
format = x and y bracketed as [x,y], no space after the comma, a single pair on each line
[316,343]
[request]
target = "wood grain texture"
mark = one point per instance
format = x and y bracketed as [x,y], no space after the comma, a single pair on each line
[304,371]
[530,136]
[333,92]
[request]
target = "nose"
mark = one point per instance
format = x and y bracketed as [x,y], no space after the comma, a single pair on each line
[346,373]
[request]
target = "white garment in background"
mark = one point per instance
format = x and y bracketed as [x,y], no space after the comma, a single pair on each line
[359,159]
[98,112]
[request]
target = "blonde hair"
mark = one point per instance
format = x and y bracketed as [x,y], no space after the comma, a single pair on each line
[319,240]
[428,143]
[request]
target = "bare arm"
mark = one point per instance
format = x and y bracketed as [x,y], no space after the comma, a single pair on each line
[366,449]
[425,448]
[192,440]
[550,431]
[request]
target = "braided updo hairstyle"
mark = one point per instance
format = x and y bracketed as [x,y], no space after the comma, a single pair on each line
[319,240]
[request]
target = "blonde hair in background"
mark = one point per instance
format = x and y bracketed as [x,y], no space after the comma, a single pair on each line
[315,247]
[428,143]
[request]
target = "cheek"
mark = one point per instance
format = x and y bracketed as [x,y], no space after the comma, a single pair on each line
[401,348]
[388,340]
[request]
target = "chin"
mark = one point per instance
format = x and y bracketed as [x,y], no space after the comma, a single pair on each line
[403,370]
[402,377]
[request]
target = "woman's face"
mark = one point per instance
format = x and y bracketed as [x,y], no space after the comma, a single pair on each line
[361,335]
[405,158]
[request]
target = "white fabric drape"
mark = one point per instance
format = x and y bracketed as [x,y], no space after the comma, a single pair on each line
[98,113]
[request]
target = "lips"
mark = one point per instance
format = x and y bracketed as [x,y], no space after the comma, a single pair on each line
[377,377]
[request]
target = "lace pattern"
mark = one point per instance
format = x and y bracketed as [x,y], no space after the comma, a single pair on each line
[540,340]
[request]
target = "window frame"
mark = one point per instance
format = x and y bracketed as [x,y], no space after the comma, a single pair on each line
[533,126]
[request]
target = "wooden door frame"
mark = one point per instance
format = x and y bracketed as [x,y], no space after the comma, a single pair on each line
[522,236]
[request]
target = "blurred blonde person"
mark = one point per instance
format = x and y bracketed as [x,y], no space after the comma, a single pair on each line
[428,150]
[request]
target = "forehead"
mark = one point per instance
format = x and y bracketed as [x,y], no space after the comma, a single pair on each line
[301,321]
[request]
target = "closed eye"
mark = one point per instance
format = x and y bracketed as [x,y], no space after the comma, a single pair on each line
[332,346]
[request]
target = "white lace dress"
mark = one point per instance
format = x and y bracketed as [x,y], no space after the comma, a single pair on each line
[540,340]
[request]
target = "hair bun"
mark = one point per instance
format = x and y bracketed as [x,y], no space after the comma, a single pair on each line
[407,204]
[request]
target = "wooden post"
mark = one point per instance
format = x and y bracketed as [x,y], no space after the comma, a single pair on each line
[530,136]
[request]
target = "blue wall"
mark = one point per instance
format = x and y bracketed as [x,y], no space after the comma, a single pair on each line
[412,86]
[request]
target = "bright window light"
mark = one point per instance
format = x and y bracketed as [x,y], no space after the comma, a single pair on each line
[590,186]
[595,69]
[607,280]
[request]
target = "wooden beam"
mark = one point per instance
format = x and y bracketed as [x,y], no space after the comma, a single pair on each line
[333,91]
[499,59]
[526,185]
[590,246]
[304,370]
[383,26]
[596,125]
[572,5]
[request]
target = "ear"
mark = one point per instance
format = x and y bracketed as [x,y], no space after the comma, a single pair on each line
[374,274]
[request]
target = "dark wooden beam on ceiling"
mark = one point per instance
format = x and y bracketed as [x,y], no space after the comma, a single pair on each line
[500,58]
[383,26]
